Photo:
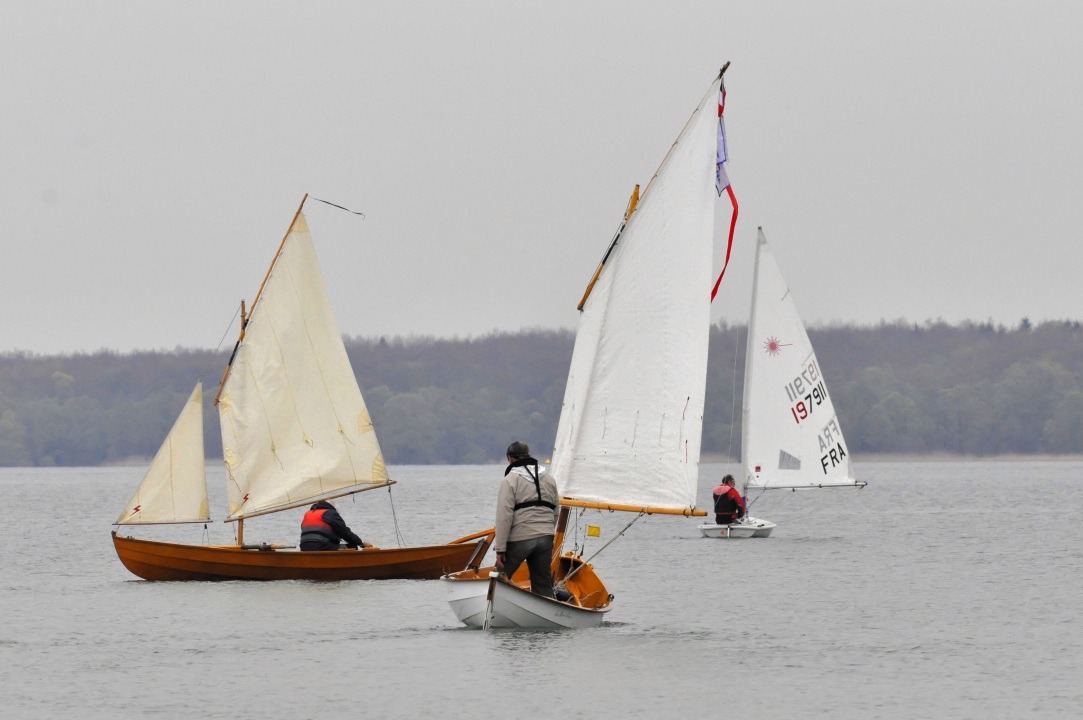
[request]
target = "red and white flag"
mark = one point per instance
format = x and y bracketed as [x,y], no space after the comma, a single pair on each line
[722,179]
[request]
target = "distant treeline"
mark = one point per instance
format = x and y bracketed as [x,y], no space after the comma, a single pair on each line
[971,388]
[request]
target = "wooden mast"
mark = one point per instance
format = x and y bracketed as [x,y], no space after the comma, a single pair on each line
[246,318]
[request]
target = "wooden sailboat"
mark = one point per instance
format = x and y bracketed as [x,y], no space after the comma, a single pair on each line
[629,433]
[295,429]
[790,437]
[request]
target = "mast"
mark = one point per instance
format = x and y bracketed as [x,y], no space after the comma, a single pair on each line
[745,424]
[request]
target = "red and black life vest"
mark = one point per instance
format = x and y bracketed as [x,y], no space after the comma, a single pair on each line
[728,502]
[313,527]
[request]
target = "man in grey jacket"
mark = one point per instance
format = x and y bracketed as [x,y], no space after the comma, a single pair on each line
[526,510]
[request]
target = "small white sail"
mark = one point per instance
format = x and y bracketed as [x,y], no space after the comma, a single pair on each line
[629,431]
[791,436]
[174,489]
[294,424]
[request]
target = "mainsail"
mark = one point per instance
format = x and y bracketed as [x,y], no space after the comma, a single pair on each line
[294,424]
[174,489]
[791,436]
[629,431]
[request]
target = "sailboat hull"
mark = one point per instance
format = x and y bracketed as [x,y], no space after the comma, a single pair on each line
[751,527]
[515,607]
[153,560]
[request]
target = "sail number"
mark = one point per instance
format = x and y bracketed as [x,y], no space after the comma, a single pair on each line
[802,409]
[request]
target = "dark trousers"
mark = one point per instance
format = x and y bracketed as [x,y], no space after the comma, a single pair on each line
[319,545]
[725,518]
[538,554]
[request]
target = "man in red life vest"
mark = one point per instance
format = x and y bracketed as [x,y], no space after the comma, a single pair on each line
[729,506]
[323,528]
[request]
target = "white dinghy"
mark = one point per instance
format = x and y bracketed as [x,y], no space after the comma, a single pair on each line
[746,527]
[790,436]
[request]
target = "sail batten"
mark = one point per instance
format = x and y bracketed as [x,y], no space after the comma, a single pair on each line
[174,488]
[630,429]
[284,407]
[791,437]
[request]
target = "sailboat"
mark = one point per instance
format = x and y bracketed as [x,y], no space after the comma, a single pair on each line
[628,438]
[790,436]
[295,429]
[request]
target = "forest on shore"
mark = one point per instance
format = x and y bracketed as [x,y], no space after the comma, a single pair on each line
[972,388]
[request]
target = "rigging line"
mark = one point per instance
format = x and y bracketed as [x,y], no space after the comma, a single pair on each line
[224,335]
[603,547]
[395,518]
[575,547]
[750,503]
[813,511]
[325,202]
[733,391]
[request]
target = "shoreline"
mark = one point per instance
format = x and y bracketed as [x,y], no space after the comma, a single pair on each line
[720,459]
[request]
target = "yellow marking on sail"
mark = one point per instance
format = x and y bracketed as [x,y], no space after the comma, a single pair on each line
[613,507]
[379,469]
[364,422]
[594,531]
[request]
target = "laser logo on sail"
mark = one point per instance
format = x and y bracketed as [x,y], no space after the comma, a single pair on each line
[773,346]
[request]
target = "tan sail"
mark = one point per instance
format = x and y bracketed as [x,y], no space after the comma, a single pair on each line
[294,423]
[174,489]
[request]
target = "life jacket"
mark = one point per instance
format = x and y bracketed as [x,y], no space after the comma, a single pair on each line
[536,477]
[727,501]
[314,528]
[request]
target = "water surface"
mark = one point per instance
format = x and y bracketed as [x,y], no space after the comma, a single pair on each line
[941,590]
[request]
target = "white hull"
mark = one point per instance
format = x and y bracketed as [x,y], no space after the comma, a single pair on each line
[513,607]
[748,528]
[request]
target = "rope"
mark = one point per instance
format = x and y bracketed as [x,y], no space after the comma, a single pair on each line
[338,206]
[563,583]
[395,518]
[791,518]
[224,334]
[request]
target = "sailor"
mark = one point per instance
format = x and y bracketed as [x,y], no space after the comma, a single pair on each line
[729,506]
[322,528]
[526,509]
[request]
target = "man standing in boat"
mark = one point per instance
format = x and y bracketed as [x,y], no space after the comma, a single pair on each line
[526,508]
[322,528]
[729,506]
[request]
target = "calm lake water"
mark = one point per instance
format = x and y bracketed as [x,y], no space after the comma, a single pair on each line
[943,590]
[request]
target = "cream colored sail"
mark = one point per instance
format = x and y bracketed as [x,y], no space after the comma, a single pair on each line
[294,424]
[630,427]
[791,437]
[174,489]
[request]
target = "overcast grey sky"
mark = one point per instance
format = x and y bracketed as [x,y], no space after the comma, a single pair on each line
[907,160]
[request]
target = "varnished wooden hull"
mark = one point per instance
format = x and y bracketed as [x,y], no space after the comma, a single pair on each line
[153,560]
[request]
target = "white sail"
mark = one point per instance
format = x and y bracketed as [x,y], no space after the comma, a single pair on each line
[791,436]
[630,427]
[294,424]
[174,489]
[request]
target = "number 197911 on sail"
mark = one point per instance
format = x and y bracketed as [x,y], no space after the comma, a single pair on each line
[806,392]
